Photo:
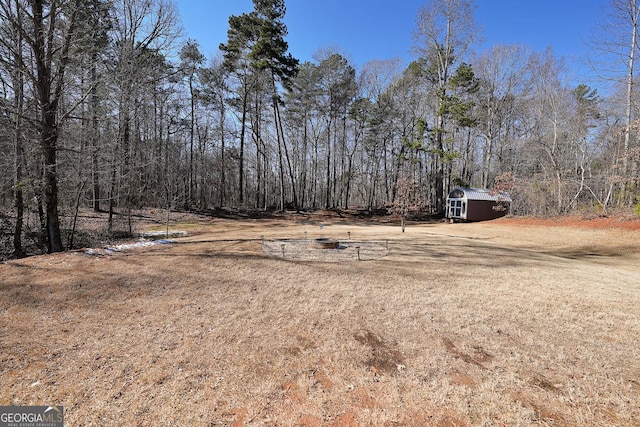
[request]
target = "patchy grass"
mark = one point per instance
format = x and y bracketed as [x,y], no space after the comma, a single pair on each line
[495,323]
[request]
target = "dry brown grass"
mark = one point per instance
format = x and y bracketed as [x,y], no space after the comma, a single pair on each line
[492,324]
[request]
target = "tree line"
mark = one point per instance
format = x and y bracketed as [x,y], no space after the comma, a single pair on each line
[103,104]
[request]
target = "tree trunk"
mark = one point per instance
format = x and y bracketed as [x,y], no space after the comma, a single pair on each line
[241,159]
[191,141]
[328,166]
[286,152]
[18,85]
[49,89]
[627,187]
[440,167]
[95,134]
[629,97]
[486,160]
[223,181]
[18,250]
[280,159]
[112,188]
[49,142]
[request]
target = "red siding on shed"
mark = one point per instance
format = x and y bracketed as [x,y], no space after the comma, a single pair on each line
[478,204]
[481,210]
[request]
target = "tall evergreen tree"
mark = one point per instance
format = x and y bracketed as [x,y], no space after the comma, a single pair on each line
[270,54]
[190,62]
[260,36]
[241,37]
[444,32]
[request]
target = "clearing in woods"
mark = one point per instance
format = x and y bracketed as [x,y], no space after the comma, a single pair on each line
[498,323]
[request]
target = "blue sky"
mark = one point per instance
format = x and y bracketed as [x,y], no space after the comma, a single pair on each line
[382,29]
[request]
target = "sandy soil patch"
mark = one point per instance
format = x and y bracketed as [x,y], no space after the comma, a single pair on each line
[496,323]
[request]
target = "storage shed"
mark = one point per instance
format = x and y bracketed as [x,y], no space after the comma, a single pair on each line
[477,204]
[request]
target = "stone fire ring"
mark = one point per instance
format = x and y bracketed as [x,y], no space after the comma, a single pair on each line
[324,243]
[320,249]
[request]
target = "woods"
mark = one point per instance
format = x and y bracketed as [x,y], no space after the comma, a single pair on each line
[105,104]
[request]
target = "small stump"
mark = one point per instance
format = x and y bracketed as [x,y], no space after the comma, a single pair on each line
[324,243]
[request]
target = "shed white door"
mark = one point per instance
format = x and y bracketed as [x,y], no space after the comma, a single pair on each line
[456,208]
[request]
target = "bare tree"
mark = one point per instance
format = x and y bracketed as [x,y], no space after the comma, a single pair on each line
[408,198]
[213,94]
[143,30]
[585,119]
[503,72]
[617,42]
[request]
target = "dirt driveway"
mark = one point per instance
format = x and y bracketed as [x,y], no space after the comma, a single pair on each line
[497,323]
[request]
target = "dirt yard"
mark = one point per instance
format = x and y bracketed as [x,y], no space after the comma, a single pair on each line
[246,323]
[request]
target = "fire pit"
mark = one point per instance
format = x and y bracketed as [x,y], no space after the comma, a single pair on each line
[320,249]
[323,243]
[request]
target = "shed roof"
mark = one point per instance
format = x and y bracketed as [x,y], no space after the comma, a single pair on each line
[480,194]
